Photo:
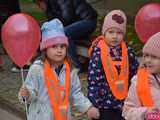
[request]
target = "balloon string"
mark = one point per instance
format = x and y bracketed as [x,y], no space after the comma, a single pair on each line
[24,99]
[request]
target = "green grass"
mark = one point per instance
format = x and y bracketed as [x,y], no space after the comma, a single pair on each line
[29,7]
[37,15]
[133,40]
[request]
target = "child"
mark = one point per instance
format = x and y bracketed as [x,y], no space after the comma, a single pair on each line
[111,66]
[52,84]
[143,96]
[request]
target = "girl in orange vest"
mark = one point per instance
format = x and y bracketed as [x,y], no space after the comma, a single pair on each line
[52,84]
[144,93]
[111,65]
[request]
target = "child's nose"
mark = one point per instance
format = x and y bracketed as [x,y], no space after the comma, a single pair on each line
[59,49]
[148,58]
[115,35]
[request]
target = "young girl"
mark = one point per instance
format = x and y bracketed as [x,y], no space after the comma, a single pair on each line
[144,93]
[52,84]
[111,66]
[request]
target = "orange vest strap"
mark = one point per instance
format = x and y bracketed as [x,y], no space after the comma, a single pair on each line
[94,43]
[59,104]
[143,89]
[117,63]
[118,82]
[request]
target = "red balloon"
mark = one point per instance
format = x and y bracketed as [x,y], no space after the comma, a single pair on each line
[147,21]
[21,37]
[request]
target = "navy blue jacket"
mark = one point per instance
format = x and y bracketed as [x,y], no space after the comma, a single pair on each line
[99,91]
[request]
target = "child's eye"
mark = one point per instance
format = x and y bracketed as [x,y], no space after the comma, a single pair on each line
[63,46]
[155,57]
[120,32]
[110,31]
[145,55]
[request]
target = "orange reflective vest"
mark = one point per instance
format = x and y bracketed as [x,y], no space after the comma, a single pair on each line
[143,89]
[118,82]
[59,104]
[94,43]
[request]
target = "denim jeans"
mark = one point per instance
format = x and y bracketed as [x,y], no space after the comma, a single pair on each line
[78,31]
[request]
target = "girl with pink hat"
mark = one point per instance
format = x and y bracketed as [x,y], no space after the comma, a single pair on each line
[111,66]
[52,84]
[143,100]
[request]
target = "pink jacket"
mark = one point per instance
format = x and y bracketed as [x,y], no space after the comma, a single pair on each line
[133,109]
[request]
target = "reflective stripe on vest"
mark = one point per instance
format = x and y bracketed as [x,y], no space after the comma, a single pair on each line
[59,104]
[118,83]
[143,89]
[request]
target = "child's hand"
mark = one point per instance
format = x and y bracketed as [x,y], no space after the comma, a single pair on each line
[93,113]
[24,92]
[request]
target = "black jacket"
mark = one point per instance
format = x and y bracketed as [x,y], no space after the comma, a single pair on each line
[70,11]
[8,8]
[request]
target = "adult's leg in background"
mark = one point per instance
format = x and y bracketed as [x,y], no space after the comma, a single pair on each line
[78,31]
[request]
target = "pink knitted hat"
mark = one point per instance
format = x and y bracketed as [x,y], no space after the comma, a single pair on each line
[52,34]
[152,46]
[115,18]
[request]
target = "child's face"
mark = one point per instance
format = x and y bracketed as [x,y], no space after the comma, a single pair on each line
[56,53]
[113,36]
[152,63]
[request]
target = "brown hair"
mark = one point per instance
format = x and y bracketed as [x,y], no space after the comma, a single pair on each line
[43,56]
